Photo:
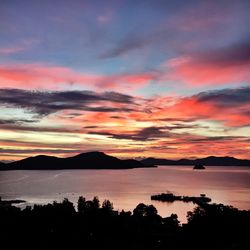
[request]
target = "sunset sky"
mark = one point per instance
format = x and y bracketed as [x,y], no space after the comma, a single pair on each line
[139,78]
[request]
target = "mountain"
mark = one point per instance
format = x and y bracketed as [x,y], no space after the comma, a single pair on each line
[37,162]
[208,161]
[90,160]
[99,160]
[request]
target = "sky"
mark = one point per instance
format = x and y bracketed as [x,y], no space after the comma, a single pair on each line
[139,78]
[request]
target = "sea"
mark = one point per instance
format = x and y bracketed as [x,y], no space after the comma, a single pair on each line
[127,188]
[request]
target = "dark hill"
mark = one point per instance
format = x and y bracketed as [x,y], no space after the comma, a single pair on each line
[37,162]
[99,160]
[2,165]
[90,160]
[208,161]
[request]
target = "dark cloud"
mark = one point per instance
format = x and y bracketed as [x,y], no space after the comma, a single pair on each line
[221,139]
[21,127]
[150,133]
[226,97]
[235,54]
[184,126]
[88,127]
[47,102]
[15,121]
[4,151]
[130,42]
[116,117]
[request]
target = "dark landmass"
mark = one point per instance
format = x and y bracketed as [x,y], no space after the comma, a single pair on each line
[199,166]
[170,197]
[2,164]
[10,202]
[99,160]
[90,160]
[92,226]
[208,161]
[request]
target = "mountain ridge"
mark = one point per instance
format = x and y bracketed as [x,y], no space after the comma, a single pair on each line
[89,160]
[100,160]
[207,161]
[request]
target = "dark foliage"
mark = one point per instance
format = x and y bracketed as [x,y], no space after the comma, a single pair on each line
[60,226]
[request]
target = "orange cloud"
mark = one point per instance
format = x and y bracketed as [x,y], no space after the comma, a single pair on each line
[194,109]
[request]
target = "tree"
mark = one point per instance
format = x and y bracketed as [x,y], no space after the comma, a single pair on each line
[144,210]
[140,210]
[96,202]
[67,206]
[172,221]
[150,211]
[107,205]
[81,204]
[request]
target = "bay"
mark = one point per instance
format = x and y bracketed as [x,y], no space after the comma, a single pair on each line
[128,188]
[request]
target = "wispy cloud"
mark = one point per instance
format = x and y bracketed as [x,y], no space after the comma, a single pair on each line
[11,50]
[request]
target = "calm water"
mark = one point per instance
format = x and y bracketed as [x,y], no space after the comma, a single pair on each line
[127,188]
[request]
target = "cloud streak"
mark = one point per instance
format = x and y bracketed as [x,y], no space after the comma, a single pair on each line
[145,134]
[39,76]
[45,103]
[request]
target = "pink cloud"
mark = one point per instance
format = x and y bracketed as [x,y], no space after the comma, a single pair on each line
[198,72]
[11,50]
[23,45]
[35,76]
[219,66]
[40,76]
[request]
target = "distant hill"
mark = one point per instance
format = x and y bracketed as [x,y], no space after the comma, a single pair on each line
[2,164]
[90,160]
[208,161]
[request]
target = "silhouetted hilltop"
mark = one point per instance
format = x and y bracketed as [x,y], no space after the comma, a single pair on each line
[36,162]
[99,160]
[2,164]
[208,161]
[90,160]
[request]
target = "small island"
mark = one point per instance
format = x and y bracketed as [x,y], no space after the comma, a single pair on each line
[199,166]
[10,202]
[170,197]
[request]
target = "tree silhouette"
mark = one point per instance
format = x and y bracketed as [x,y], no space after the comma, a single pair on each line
[96,202]
[58,226]
[107,205]
[81,204]
[140,210]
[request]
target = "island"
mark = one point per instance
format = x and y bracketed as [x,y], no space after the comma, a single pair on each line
[199,166]
[170,197]
[10,202]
